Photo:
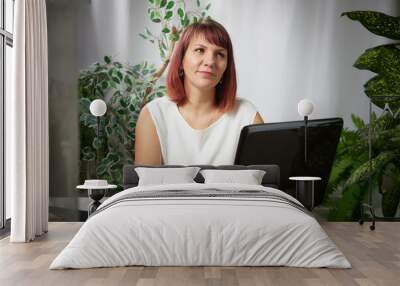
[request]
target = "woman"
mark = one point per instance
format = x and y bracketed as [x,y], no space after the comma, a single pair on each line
[200,120]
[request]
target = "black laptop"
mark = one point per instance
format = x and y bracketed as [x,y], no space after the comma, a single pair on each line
[283,144]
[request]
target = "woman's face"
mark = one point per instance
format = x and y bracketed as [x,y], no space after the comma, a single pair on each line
[204,63]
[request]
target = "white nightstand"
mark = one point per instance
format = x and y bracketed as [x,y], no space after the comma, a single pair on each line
[305,186]
[96,193]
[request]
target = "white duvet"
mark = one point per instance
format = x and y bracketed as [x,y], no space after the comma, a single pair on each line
[200,231]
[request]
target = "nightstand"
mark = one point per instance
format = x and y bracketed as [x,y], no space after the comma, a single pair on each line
[305,190]
[96,192]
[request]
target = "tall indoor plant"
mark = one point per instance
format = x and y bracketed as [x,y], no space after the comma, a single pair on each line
[126,88]
[351,169]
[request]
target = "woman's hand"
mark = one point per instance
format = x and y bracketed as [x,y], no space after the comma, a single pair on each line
[147,145]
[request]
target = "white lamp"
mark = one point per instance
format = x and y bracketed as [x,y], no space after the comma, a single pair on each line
[98,108]
[305,108]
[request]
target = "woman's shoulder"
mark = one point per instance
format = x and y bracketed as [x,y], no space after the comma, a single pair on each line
[160,104]
[244,112]
[161,108]
[244,105]
[159,101]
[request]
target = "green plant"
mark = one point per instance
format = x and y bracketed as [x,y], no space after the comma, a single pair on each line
[126,89]
[383,60]
[348,183]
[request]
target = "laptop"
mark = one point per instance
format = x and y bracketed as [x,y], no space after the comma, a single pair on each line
[283,144]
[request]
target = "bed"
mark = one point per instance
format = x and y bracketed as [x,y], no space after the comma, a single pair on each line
[201,224]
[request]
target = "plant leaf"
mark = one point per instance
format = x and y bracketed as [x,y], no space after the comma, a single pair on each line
[165,30]
[382,60]
[128,81]
[181,13]
[362,172]
[377,23]
[170,5]
[85,102]
[88,154]
[123,102]
[119,75]
[173,37]
[168,15]
[380,86]
[97,143]
[107,59]
[357,121]
[101,169]
[155,16]
[104,84]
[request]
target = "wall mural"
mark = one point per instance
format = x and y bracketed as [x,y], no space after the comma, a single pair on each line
[127,87]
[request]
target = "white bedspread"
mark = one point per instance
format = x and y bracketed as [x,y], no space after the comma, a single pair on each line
[200,231]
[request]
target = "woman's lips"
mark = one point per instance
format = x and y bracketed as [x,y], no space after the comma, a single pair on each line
[206,74]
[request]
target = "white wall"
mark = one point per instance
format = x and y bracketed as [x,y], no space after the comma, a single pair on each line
[285,50]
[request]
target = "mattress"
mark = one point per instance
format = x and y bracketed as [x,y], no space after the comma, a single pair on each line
[201,225]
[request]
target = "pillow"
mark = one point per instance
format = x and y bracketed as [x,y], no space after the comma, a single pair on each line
[162,176]
[248,177]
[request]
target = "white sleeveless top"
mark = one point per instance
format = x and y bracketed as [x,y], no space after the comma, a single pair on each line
[214,145]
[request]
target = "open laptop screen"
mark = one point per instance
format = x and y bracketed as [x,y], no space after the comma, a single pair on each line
[283,144]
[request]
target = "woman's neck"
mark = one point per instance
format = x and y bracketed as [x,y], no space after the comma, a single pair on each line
[199,101]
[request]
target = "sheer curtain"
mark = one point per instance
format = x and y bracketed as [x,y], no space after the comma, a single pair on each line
[27,119]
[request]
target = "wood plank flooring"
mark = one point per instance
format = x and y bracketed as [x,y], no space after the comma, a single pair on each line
[375,257]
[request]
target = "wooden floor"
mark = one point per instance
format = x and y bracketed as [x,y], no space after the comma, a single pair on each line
[375,256]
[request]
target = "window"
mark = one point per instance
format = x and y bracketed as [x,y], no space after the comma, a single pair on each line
[6,60]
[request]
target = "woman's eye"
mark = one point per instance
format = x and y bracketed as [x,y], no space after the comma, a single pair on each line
[222,55]
[199,50]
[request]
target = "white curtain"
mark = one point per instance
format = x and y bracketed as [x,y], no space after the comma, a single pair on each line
[28,143]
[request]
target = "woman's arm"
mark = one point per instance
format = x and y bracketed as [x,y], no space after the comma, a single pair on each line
[258,119]
[147,145]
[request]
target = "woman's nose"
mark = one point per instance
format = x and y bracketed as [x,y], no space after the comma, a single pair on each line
[209,59]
